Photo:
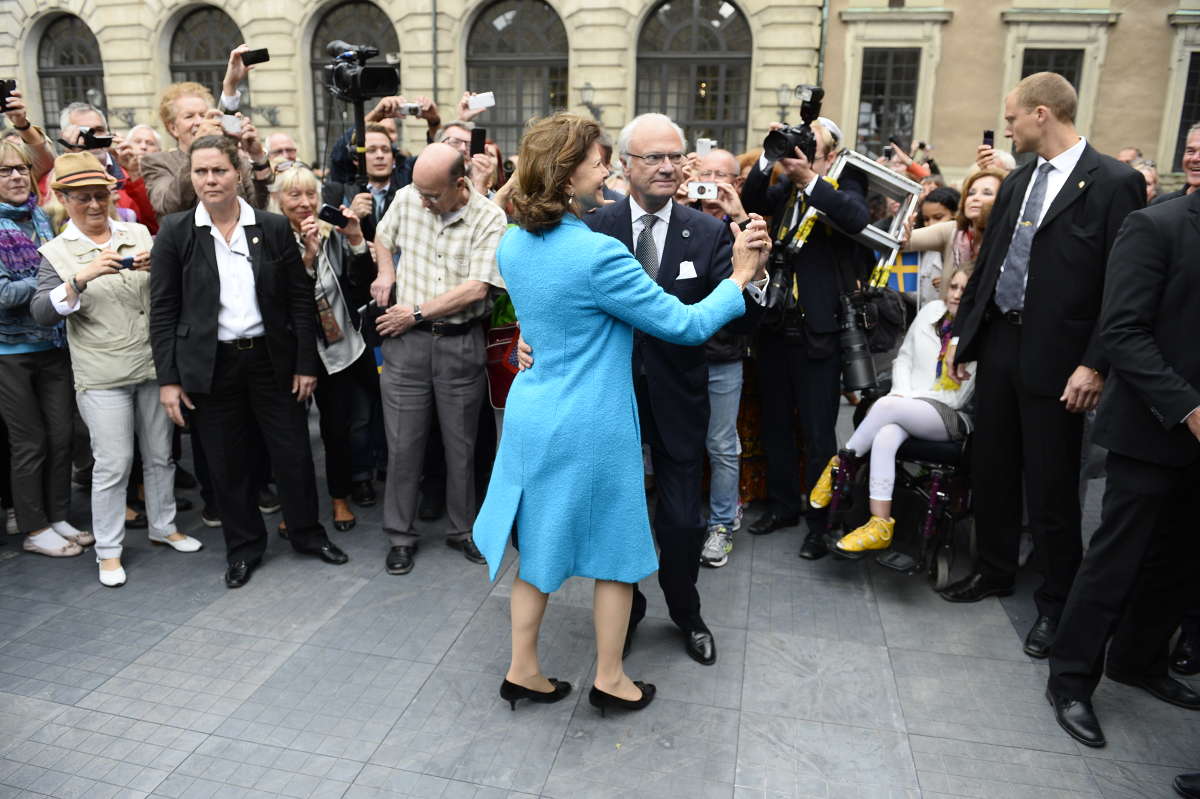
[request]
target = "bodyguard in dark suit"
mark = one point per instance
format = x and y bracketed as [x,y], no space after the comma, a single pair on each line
[232,326]
[1138,575]
[688,253]
[799,358]
[1029,317]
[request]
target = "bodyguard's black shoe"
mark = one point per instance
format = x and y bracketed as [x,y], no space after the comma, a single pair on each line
[814,547]
[700,646]
[769,522]
[328,552]
[1166,688]
[1188,785]
[468,548]
[400,559]
[238,573]
[363,494]
[1185,657]
[1078,719]
[975,588]
[1041,637]
[510,692]
[599,699]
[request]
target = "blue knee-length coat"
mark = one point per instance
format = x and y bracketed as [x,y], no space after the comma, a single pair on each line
[569,468]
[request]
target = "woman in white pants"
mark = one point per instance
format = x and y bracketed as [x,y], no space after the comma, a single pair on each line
[96,274]
[925,402]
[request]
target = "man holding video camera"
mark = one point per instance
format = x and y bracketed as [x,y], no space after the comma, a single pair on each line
[799,357]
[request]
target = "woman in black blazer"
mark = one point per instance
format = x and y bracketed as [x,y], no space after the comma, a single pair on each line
[240,351]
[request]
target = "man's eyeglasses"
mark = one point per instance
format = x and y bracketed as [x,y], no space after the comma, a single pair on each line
[654,159]
[9,171]
[98,197]
[715,174]
[284,166]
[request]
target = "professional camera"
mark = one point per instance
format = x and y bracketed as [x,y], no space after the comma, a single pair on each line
[856,317]
[782,143]
[350,79]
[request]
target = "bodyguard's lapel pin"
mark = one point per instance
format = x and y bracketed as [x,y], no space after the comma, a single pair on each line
[255,239]
[686,233]
[1082,183]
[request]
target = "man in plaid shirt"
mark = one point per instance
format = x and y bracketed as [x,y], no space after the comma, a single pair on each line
[444,237]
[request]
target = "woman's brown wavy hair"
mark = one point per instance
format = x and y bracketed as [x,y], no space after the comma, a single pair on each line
[960,216]
[551,149]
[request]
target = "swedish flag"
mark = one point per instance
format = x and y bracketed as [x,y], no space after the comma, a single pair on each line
[904,274]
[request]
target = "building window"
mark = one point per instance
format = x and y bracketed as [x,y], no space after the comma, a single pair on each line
[200,48]
[356,22]
[694,66]
[69,69]
[518,50]
[887,104]
[1190,114]
[1068,63]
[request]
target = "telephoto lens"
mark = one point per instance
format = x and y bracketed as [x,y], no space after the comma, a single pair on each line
[858,369]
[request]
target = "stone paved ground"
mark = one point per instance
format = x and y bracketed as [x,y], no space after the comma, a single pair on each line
[835,680]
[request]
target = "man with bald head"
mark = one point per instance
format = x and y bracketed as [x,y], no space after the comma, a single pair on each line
[281,147]
[436,252]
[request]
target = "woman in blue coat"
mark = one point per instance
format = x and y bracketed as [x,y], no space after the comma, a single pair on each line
[568,474]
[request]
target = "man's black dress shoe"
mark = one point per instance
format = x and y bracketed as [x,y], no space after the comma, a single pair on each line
[700,646]
[1041,637]
[1185,657]
[327,551]
[1166,688]
[468,548]
[1078,719]
[1188,785]
[814,547]
[975,588]
[400,559]
[363,493]
[238,574]
[769,522]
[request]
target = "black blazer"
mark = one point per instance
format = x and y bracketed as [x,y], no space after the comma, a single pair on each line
[1065,284]
[1148,329]
[677,375]
[185,297]
[829,262]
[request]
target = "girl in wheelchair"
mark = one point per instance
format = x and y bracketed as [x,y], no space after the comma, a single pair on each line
[924,403]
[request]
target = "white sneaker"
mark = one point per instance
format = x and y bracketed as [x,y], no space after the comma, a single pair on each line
[112,578]
[185,544]
[10,522]
[718,546]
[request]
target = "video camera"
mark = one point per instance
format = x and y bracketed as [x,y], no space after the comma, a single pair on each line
[350,79]
[782,143]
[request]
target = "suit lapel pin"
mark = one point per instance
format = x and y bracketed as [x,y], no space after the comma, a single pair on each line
[686,233]
[1082,183]
[255,239]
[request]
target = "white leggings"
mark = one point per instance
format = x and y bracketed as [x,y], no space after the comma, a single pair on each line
[890,421]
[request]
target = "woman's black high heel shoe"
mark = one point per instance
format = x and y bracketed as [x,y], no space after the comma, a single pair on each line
[510,692]
[604,701]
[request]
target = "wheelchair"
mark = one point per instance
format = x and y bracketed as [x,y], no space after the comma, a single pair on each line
[931,504]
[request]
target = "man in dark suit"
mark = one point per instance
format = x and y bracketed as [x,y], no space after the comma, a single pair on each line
[371,202]
[232,327]
[1190,166]
[1138,575]
[688,254]
[1028,317]
[799,357]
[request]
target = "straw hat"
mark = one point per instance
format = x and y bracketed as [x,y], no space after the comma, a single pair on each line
[79,171]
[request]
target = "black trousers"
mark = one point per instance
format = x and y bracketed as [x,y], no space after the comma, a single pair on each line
[335,401]
[796,388]
[678,522]
[1136,580]
[245,394]
[6,494]
[1018,431]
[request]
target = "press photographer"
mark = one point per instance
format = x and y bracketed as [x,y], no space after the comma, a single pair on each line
[799,355]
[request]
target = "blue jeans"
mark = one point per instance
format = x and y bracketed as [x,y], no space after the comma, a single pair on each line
[723,445]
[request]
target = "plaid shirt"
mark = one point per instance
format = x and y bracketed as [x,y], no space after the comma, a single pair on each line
[435,256]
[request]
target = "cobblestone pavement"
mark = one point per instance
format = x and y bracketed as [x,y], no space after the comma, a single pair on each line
[833,679]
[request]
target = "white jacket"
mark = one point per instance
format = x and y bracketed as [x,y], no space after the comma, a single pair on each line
[914,372]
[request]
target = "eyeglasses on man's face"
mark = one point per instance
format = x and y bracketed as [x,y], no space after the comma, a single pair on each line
[654,159]
[715,174]
[87,198]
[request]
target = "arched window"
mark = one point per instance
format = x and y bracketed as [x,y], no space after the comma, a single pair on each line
[694,66]
[69,69]
[356,22]
[200,48]
[518,50]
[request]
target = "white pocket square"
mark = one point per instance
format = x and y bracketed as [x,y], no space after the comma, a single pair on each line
[687,270]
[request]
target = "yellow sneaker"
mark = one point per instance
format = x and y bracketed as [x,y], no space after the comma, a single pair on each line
[875,534]
[822,492]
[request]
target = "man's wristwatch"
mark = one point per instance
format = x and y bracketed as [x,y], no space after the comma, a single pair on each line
[417,315]
[28,125]
[78,288]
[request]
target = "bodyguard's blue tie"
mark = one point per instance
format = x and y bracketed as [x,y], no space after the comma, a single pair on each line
[1010,288]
